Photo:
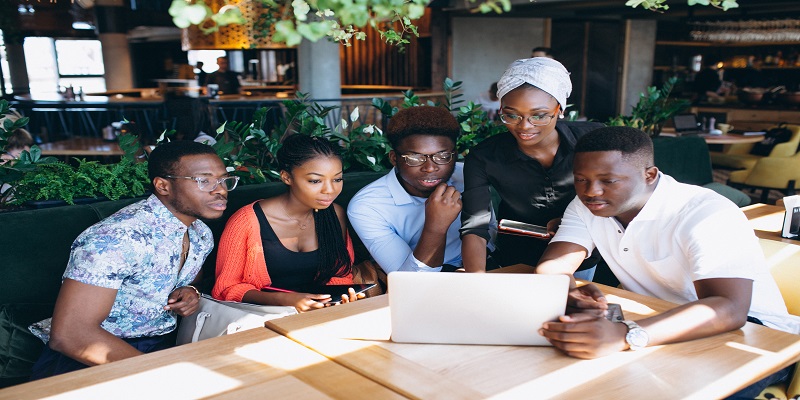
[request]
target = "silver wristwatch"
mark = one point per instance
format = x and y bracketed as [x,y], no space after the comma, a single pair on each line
[637,338]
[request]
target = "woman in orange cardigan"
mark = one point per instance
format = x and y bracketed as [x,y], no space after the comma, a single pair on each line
[292,241]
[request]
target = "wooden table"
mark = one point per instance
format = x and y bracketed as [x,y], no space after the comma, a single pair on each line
[731,139]
[719,139]
[254,364]
[81,146]
[357,335]
[767,221]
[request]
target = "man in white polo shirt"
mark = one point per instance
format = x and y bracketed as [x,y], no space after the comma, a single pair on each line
[661,238]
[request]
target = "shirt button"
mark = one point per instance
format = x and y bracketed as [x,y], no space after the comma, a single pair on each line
[619,231]
[625,249]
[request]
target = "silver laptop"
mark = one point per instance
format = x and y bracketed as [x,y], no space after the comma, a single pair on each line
[462,308]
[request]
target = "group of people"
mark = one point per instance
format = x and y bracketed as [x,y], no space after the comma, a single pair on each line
[595,188]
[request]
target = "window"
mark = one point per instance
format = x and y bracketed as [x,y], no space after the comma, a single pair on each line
[57,64]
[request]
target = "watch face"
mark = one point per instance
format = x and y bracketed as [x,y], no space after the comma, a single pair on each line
[637,338]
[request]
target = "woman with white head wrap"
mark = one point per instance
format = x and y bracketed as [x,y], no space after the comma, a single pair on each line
[530,166]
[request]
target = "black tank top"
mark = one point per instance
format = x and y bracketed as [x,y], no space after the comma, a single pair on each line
[287,269]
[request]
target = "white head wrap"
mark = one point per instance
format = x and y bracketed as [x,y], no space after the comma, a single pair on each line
[545,73]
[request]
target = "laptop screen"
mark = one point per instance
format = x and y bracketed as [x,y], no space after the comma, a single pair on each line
[685,122]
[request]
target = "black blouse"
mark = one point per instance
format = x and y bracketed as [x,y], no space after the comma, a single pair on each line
[287,269]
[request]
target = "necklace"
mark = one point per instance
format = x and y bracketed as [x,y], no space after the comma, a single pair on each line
[302,224]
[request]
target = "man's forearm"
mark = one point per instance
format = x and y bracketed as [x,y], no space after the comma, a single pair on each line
[695,320]
[430,248]
[95,347]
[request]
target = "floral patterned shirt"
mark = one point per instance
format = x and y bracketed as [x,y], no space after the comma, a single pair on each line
[137,251]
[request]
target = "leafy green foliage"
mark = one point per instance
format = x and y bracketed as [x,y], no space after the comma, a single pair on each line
[661,5]
[59,180]
[287,21]
[33,177]
[653,109]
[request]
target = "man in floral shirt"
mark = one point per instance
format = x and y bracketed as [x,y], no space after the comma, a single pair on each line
[129,275]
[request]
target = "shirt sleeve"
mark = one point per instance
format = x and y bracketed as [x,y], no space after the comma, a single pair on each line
[476,211]
[380,238]
[235,254]
[102,257]
[574,228]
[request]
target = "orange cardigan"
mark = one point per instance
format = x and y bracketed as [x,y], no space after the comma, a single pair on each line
[240,258]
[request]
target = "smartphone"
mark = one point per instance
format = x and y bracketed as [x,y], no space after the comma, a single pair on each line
[522,228]
[794,225]
[336,291]
[614,313]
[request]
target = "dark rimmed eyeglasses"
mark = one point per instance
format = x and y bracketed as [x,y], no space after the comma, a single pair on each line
[534,120]
[209,184]
[441,158]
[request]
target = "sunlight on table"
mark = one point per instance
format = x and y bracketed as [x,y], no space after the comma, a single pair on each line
[631,306]
[159,383]
[768,223]
[350,334]
[275,353]
[579,373]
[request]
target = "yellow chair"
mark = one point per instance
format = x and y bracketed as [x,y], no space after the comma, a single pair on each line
[737,156]
[772,172]
[783,260]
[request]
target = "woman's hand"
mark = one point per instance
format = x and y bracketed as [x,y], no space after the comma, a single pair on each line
[307,302]
[351,296]
[552,226]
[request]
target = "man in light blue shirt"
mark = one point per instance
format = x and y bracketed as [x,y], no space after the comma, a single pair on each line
[409,220]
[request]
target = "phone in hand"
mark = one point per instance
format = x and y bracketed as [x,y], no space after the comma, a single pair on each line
[336,291]
[614,313]
[522,228]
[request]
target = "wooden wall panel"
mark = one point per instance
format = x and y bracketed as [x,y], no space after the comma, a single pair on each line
[373,62]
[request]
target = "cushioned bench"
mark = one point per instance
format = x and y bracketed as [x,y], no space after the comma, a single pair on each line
[34,249]
[687,159]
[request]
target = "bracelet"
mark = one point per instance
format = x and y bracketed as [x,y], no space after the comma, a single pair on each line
[195,289]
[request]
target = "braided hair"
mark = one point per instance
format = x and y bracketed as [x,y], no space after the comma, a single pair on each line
[334,260]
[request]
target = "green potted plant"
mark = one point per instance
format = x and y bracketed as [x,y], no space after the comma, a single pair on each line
[653,109]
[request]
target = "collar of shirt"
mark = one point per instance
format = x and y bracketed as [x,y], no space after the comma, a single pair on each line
[170,224]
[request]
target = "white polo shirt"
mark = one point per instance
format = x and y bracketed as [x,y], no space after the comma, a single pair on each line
[684,233]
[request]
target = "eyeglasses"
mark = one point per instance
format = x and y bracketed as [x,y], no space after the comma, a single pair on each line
[534,120]
[441,158]
[209,185]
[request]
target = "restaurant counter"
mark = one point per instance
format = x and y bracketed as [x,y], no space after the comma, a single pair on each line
[53,118]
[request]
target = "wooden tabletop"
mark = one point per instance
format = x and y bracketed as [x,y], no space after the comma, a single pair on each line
[718,139]
[767,221]
[254,364]
[731,139]
[357,335]
[81,146]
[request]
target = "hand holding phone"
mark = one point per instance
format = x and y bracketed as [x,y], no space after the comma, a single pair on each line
[614,313]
